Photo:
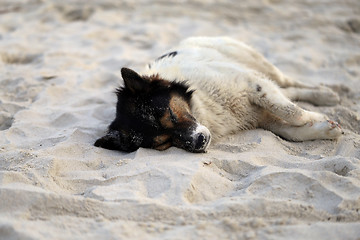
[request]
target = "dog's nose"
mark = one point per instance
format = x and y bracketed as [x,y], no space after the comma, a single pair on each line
[201,139]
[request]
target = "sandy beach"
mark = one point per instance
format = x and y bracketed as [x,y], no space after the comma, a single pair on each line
[60,64]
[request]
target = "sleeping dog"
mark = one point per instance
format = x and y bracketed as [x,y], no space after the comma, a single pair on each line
[207,88]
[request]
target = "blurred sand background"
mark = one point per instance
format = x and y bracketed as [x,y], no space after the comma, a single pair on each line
[59,66]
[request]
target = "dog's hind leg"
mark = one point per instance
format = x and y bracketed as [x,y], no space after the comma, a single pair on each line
[310,131]
[268,96]
[321,96]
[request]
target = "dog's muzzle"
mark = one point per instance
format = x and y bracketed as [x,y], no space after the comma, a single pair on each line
[194,139]
[201,138]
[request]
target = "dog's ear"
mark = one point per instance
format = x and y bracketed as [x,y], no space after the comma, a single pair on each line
[133,81]
[116,140]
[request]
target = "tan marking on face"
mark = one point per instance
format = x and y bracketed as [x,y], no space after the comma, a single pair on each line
[166,120]
[180,109]
[163,146]
[161,139]
[161,142]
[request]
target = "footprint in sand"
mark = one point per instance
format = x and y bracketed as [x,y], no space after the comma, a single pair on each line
[19,57]
[217,179]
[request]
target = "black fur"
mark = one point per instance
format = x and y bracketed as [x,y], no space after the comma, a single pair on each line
[141,104]
[171,54]
[258,88]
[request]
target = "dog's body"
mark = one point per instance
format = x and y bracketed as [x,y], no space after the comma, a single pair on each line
[227,87]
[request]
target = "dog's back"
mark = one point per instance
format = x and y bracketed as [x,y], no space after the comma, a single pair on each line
[220,78]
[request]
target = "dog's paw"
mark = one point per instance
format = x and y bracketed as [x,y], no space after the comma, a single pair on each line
[335,128]
[327,129]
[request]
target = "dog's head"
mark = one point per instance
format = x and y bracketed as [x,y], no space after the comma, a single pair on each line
[154,113]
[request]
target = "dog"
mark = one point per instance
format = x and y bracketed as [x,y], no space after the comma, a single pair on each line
[207,88]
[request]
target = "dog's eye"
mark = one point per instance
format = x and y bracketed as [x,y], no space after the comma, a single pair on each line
[173,117]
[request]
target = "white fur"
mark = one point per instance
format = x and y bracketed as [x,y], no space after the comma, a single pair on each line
[238,89]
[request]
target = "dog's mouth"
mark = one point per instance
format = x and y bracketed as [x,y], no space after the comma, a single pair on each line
[195,139]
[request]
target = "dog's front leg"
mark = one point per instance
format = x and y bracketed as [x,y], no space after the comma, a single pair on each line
[310,131]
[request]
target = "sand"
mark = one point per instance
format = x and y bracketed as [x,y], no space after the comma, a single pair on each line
[59,66]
